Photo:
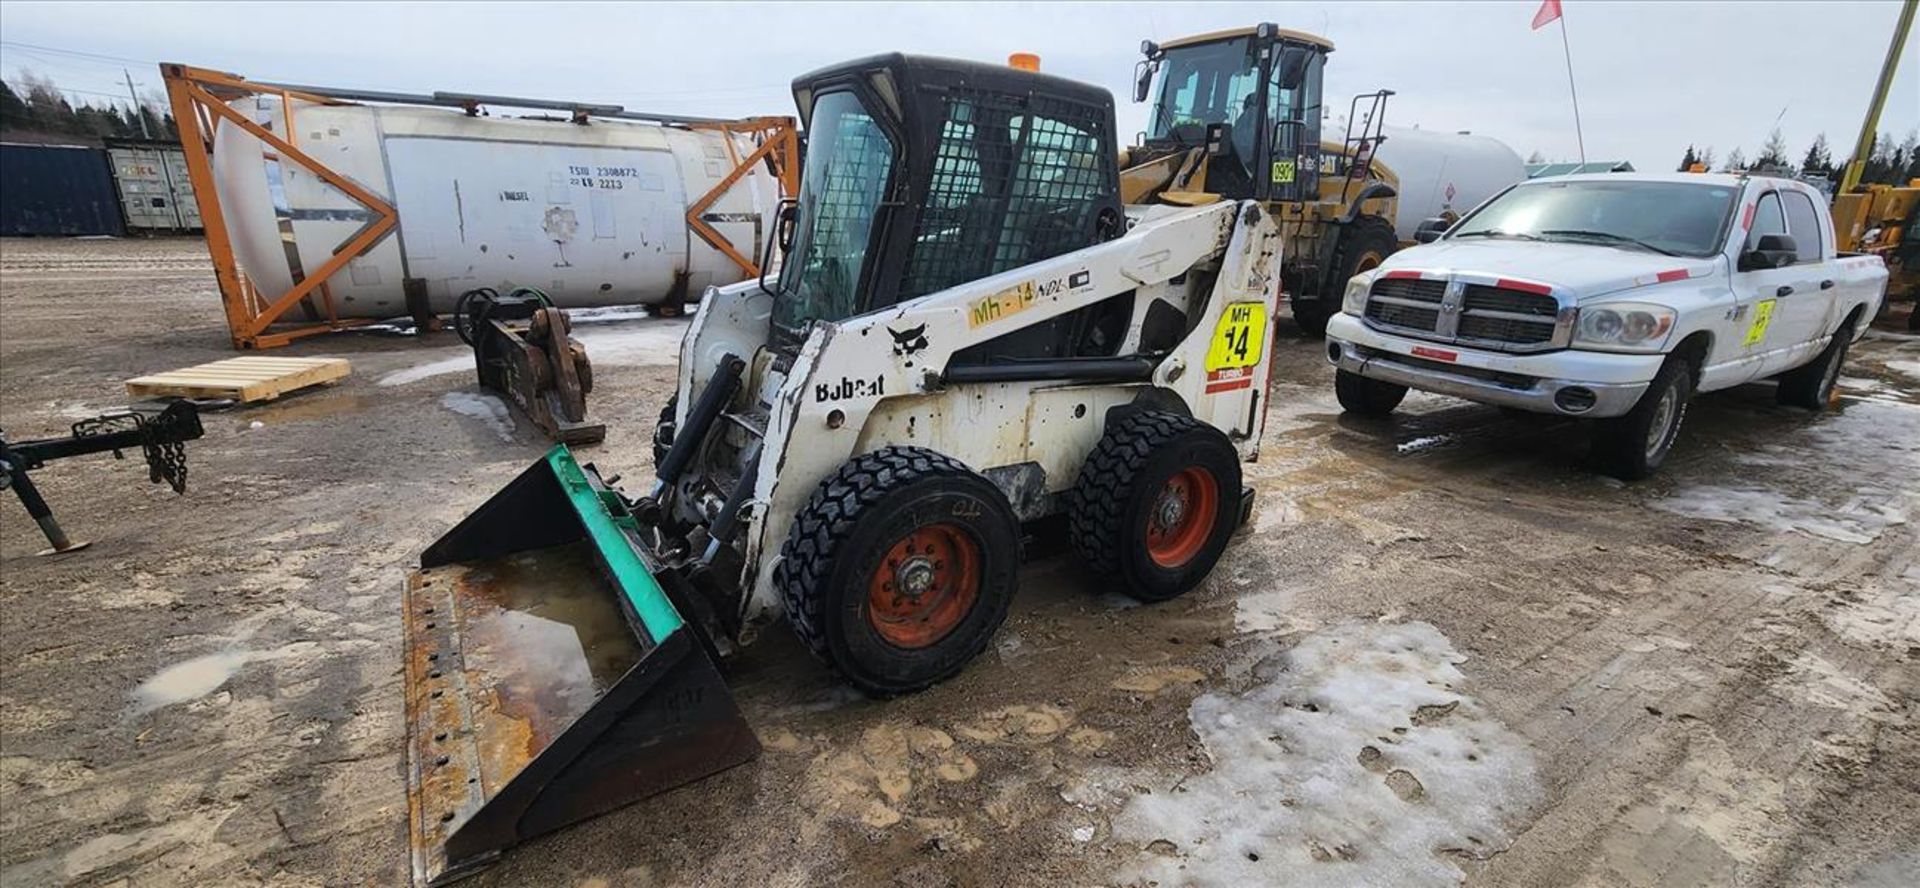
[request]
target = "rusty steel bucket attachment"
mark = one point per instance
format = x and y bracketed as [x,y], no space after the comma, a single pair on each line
[550,676]
[523,349]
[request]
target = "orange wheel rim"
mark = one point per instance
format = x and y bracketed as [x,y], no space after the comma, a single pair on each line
[1182,517]
[924,586]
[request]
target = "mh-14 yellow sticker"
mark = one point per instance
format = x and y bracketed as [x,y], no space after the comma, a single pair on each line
[1762,316]
[1283,171]
[1241,337]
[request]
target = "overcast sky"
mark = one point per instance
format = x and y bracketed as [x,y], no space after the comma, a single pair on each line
[1652,77]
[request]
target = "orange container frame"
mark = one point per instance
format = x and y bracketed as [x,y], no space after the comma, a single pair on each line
[200,102]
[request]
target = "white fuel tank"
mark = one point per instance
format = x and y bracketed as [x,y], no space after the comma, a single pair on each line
[1445,172]
[593,214]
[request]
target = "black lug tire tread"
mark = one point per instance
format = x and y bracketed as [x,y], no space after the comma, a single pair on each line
[1097,503]
[1312,316]
[1356,238]
[1619,447]
[1366,397]
[824,525]
[1801,386]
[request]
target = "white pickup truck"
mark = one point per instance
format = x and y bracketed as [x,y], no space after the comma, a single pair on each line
[1614,297]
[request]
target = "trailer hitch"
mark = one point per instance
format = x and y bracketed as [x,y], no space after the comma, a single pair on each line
[160,436]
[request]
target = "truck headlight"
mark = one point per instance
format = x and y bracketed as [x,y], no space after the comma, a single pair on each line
[1623,326]
[1355,301]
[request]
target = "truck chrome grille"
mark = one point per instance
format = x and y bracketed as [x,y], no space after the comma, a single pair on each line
[1481,297]
[1410,288]
[1469,314]
[1402,315]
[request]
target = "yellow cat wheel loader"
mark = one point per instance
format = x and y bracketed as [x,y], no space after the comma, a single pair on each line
[969,331]
[1235,115]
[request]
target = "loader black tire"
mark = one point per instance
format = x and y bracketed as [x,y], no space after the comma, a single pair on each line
[1364,244]
[1142,459]
[663,430]
[841,562]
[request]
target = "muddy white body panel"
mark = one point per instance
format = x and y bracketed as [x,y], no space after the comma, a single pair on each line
[594,214]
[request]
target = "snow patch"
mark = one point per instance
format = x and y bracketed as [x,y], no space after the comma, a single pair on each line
[1353,760]
[486,408]
[418,372]
[1909,369]
[654,344]
[1861,519]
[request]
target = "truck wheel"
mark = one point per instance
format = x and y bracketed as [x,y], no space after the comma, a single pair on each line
[1633,446]
[1364,244]
[1810,385]
[1366,397]
[899,569]
[663,430]
[1155,503]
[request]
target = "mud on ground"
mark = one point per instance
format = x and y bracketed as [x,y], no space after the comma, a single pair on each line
[1444,652]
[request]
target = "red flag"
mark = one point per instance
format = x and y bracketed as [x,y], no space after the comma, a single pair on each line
[1549,11]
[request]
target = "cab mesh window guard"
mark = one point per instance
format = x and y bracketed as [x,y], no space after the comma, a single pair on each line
[1016,179]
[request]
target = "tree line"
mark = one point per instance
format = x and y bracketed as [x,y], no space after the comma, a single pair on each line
[40,106]
[1890,162]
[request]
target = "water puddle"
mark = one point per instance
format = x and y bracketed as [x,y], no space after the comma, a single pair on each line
[489,410]
[303,408]
[189,680]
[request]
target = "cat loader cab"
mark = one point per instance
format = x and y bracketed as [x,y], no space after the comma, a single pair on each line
[1236,115]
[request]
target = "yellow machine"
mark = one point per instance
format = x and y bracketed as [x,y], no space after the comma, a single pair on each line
[1882,219]
[1885,220]
[1236,115]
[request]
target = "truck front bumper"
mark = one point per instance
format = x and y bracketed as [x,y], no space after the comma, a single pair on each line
[1565,383]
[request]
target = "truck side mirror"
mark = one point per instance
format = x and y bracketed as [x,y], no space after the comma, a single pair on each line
[1430,230]
[1142,79]
[1773,251]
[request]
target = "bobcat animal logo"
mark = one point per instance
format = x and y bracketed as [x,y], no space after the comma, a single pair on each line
[906,342]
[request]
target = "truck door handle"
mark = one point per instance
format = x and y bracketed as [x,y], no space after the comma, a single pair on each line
[1783,291]
[1826,285]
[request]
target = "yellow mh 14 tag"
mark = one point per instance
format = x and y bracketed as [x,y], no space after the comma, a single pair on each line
[1240,339]
[1762,316]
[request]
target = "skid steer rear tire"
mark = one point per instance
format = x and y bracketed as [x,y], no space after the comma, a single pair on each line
[1156,503]
[885,520]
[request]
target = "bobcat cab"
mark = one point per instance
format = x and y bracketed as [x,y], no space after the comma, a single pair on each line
[1235,115]
[968,331]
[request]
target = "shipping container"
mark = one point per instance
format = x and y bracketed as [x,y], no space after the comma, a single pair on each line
[57,190]
[155,194]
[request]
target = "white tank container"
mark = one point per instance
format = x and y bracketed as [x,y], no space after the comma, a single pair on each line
[593,215]
[1444,173]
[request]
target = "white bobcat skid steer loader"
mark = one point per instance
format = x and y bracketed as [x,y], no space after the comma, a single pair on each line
[968,332]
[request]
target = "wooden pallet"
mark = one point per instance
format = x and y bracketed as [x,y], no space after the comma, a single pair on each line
[241,379]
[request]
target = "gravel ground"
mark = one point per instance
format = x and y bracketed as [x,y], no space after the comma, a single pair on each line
[1444,653]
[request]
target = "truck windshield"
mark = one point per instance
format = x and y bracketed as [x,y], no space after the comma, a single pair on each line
[848,160]
[1679,218]
[1202,84]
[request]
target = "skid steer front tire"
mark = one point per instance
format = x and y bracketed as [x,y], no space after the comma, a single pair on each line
[1156,503]
[899,569]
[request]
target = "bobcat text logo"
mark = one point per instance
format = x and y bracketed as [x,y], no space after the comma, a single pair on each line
[849,387]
